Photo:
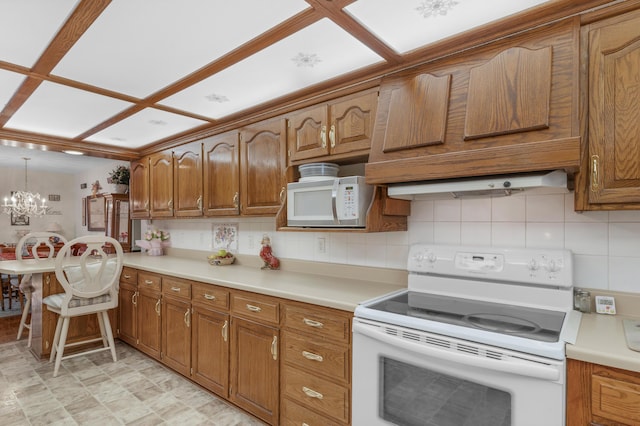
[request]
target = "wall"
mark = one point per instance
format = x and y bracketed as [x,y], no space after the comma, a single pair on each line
[44,183]
[606,245]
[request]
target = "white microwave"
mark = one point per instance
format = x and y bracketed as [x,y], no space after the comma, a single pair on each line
[335,202]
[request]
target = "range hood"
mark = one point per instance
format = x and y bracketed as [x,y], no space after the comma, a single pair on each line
[554,182]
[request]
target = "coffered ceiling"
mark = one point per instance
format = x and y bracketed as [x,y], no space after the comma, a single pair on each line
[115,78]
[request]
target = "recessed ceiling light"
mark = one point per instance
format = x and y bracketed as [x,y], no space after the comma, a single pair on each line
[306,59]
[214,97]
[158,122]
[72,152]
[118,139]
[429,8]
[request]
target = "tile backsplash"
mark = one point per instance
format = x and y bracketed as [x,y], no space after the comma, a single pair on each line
[606,245]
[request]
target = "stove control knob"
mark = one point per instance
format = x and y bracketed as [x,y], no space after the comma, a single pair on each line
[552,266]
[533,265]
[431,257]
[418,257]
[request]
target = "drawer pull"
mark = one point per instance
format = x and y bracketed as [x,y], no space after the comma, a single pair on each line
[225,329]
[126,277]
[148,282]
[175,289]
[312,356]
[158,307]
[312,323]
[209,296]
[253,308]
[312,393]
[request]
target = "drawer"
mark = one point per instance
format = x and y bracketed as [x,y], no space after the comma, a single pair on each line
[616,399]
[148,281]
[318,322]
[210,295]
[256,307]
[317,394]
[292,414]
[316,356]
[129,275]
[176,287]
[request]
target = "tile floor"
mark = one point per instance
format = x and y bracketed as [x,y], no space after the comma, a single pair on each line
[93,390]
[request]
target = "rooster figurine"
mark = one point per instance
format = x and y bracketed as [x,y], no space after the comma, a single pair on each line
[270,261]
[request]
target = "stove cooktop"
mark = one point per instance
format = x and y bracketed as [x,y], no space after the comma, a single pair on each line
[529,323]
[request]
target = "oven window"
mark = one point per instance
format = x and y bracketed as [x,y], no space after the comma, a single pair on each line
[415,396]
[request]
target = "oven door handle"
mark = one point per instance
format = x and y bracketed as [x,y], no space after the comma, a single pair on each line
[522,368]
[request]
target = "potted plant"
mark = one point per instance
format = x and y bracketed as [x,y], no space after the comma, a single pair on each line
[120,177]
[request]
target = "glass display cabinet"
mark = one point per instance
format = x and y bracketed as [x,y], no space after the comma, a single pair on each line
[118,222]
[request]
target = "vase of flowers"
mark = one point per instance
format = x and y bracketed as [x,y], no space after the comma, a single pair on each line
[120,178]
[155,240]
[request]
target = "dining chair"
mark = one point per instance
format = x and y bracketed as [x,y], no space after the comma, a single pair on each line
[39,245]
[90,283]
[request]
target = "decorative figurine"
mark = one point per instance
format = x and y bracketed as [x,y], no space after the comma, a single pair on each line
[95,187]
[270,261]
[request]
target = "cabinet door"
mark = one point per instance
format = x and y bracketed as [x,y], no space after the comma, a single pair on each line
[351,127]
[221,175]
[139,189]
[127,311]
[255,369]
[614,111]
[262,167]
[176,335]
[149,323]
[187,180]
[307,133]
[210,350]
[161,184]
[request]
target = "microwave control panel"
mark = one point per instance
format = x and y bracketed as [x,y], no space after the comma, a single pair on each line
[348,202]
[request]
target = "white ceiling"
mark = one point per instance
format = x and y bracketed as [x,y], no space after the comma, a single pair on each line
[145,71]
[49,161]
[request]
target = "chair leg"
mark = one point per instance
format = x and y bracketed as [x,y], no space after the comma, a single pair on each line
[23,320]
[56,337]
[105,343]
[60,345]
[107,326]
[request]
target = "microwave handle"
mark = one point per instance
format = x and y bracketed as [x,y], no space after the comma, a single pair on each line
[334,200]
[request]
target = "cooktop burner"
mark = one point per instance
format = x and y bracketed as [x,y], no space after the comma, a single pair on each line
[530,323]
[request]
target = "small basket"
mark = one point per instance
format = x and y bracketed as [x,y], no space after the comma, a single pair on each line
[221,261]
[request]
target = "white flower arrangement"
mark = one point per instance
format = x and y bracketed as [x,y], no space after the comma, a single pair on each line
[154,241]
[156,234]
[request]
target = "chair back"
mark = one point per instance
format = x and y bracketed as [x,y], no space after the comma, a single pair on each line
[91,279]
[38,240]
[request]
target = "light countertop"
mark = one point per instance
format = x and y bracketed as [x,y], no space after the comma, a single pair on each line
[601,337]
[332,285]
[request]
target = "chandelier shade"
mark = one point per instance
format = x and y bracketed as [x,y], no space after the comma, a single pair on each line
[25,203]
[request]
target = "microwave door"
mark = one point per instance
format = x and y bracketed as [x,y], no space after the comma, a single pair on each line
[334,201]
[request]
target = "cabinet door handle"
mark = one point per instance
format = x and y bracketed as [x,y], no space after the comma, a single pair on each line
[225,330]
[312,393]
[254,308]
[158,307]
[199,202]
[209,296]
[595,173]
[312,323]
[134,299]
[282,192]
[332,136]
[187,318]
[236,199]
[176,289]
[323,136]
[274,348]
[312,356]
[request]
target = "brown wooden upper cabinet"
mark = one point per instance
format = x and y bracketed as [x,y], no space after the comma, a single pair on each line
[187,180]
[161,184]
[263,159]
[338,129]
[611,167]
[507,107]
[139,189]
[221,176]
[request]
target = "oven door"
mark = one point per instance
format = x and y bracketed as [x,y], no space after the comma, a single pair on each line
[408,377]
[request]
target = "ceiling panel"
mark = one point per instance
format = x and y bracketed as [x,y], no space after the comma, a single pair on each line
[27,27]
[137,47]
[145,127]
[9,82]
[406,25]
[60,110]
[317,53]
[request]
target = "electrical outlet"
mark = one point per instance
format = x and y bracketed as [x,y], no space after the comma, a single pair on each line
[322,245]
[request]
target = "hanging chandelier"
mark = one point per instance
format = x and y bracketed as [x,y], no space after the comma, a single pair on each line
[25,203]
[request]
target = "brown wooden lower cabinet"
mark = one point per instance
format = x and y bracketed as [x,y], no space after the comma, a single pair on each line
[255,369]
[229,342]
[600,395]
